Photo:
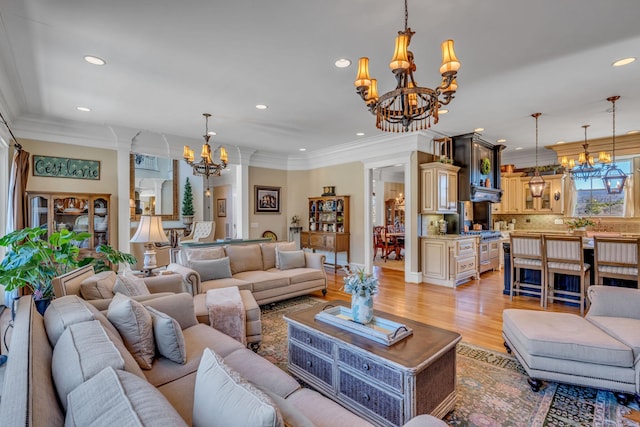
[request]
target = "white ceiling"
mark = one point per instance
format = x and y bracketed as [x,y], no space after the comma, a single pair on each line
[169,61]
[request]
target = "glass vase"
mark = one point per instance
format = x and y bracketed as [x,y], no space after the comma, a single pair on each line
[361,308]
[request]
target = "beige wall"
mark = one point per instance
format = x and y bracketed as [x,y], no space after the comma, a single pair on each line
[278,223]
[106,184]
[223,192]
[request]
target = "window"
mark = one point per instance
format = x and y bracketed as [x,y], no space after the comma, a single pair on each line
[592,198]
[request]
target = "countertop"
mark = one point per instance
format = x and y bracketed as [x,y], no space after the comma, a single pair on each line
[449,236]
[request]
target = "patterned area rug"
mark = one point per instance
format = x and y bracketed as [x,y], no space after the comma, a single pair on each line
[492,387]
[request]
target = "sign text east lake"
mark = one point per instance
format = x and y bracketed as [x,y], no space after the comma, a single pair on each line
[62,167]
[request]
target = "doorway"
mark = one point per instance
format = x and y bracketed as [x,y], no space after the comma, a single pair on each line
[388,217]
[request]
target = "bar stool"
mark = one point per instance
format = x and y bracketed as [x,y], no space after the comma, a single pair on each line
[564,255]
[527,253]
[616,258]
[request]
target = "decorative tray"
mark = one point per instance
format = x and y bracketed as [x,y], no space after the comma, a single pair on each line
[381,330]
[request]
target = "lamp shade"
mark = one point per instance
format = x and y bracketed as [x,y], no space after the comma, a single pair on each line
[450,63]
[149,230]
[223,155]
[363,79]
[400,60]
[372,96]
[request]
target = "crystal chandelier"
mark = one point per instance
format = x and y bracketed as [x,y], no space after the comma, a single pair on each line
[536,183]
[614,178]
[205,167]
[408,107]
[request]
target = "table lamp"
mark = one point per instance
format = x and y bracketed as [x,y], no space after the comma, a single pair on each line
[149,231]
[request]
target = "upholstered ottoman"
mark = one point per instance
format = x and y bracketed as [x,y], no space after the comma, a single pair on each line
[567,348]
[251,310]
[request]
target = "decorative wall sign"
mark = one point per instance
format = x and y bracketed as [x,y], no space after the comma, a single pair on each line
[267,199]
[63,167]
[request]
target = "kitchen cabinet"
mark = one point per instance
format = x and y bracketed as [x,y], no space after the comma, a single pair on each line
[511,194]
[551,200]
[328,226]
[449,260]
[438,188]
[77,212]
[479,161]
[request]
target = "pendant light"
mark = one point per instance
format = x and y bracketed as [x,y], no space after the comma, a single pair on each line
[614,178]
[536,183]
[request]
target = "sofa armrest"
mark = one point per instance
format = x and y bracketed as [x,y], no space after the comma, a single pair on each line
[612,301]
[190,276]
[314,260]
[165,283]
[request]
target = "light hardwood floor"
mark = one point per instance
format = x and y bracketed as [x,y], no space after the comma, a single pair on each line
[473,309]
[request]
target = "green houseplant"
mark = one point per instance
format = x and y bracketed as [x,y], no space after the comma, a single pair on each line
[187,203]
[580,222]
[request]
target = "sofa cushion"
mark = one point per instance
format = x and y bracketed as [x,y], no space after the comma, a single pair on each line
[82,351]
[268,255]
[212,269]
[291,259]
[244,258]
[62,312]
[98,286]
[130,285]
[237,402]
[545,334]
[263,280]
[324,412]
[134,324]
[196,339]
[291,415]
[225,283]
[300,275]
[623,329]
[168,336]
[118,398]
[283,247]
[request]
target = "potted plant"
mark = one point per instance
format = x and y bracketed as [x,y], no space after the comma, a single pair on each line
[122,259]
[362,287]
[187,204]
[578,225]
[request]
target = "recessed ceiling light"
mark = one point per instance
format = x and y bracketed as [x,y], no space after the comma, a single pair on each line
[342,63]
[623,61]
[443,111]
[85,109]
[261,107]
[212,133]
[518,148]
[560,142]
[478,129]
[632,132]
[501,140]
[94,60]
[360,134]
[302,149]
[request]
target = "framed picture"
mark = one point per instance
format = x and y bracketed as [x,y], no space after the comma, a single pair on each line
[222,207]
[267,199]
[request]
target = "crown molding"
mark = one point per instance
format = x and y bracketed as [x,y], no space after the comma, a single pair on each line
[625,145]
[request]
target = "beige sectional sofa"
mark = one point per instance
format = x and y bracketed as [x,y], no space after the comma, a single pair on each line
[254,267]
[76,352]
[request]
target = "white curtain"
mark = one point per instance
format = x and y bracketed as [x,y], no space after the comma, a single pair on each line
[628,197]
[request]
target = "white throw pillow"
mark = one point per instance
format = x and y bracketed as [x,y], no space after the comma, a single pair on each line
[168,336]
[130,286]
[291,259]
[236,403]
[283,247]
[135,326]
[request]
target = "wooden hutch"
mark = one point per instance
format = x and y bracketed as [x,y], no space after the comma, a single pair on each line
[328,226]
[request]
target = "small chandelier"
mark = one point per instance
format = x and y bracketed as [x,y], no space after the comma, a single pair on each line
[586,168]
[536,183]
[408,107]
[614,178]
[205,167]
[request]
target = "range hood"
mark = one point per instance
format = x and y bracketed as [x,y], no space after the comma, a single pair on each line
[479,175]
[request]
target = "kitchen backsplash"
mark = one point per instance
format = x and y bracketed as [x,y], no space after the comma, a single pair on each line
[547,222]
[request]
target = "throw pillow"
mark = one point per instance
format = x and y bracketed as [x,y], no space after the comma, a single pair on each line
[244,258]
[236,403]
[168,336]
[62,312]
[118,398]
[291,259]
[83,350]
[212,269]
[134,324]
[130,286]
[283,247]
[98,286]
[204,253]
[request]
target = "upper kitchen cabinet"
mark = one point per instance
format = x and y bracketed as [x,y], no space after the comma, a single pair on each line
[551,200]
[479,161]
[438,188]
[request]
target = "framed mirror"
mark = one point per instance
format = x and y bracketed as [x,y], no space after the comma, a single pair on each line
[153,186]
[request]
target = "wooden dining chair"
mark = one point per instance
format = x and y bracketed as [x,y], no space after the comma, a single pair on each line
[564,255]
[380,242]
[527,254]
[616,258]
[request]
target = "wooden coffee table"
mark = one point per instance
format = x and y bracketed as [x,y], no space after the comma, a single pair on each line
[387,385]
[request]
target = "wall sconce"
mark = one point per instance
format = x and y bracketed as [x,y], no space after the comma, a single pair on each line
[556,196]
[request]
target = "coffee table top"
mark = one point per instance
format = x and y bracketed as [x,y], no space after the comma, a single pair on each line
[416,351]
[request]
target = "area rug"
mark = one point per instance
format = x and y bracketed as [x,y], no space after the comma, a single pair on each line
[492,387]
